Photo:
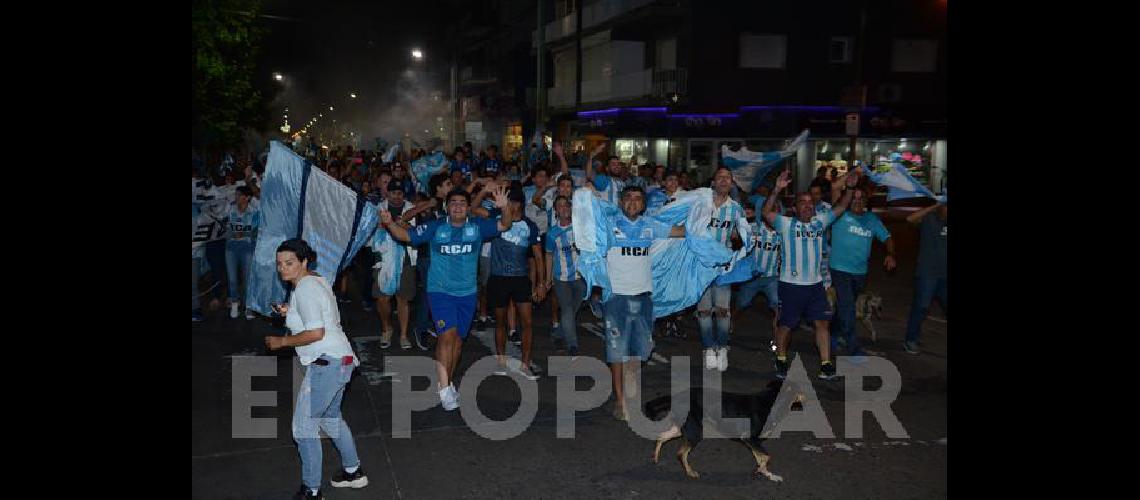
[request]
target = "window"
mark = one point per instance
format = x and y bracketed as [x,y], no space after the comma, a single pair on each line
[763,51]
[666,56]
[914,56]
[839,50]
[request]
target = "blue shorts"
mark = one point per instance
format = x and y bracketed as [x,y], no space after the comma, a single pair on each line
[451,311]
[629,327]
[802,301]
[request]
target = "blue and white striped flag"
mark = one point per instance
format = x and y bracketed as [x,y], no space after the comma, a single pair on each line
[427,166]
[900,184]
[300,201]
[391,154]
[749,168]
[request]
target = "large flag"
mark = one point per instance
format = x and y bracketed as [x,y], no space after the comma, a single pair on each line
[298,200]
[391,154]
[427,166]
[900,184]
[682,268]
[750,168]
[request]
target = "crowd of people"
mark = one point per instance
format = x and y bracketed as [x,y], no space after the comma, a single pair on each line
[811,260]
[485,241]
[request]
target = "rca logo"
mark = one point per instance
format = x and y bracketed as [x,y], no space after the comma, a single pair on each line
[454,249]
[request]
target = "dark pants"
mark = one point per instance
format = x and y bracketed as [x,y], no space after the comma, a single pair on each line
[847,289]
[925,290]
[362,273]
[422,321]
[216,257]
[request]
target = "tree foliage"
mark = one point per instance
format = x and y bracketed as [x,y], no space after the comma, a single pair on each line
[225,47]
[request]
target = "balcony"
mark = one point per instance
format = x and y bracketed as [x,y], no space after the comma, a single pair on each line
[619,87]
[667,82]
[592,15]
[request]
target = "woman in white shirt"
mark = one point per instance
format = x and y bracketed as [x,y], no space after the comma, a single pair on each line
[314,323]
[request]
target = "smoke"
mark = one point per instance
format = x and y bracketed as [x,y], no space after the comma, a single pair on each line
[417,116]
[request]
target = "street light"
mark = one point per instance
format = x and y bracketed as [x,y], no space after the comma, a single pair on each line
[278,76]
[353,95]
[417,55]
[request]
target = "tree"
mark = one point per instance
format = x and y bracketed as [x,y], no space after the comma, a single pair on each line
[225,47]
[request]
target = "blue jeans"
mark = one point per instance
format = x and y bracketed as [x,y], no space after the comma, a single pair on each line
[239,257]
[629,327]
[569,295]
[715,298]
[925,290]
[318,407]
[749,289]
[847,288]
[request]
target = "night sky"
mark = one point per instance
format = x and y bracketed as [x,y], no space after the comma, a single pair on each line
[327,49]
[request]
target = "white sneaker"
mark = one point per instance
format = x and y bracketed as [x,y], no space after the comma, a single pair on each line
[711,359]
[233,310]
[722,359]
[449,398]
[249,314]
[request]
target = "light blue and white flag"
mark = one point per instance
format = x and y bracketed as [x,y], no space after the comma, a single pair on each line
[427,166]
[750,168]
[900,184]
[391,154]
[682,267]
[390,261]
[300,201]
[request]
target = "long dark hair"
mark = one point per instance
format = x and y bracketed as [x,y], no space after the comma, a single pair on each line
[301,249]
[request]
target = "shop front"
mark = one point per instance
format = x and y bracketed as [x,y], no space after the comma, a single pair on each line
[692,142]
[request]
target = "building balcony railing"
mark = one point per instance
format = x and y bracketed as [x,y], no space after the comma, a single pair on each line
[593,15]
[624,86]
[667,82]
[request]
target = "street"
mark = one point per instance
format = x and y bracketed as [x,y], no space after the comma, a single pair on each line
[443,458]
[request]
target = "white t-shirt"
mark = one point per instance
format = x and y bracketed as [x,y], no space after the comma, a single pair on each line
[312,306]
[629,260]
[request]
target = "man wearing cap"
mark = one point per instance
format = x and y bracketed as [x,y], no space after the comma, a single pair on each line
[398,206]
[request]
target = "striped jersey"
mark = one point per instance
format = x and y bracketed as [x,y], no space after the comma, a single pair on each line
[801,252]
[245,222]
[560,246]
[723,222]
[767,252]
[608,188]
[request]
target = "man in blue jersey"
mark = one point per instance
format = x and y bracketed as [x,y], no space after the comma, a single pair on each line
[801,289]
[562,275]
[515,278]
[629,310]
[454,252]
[851,236]
[766,265]
[713,308]
[461,164]
[493,164]
[930,278]
[607,183]
[244,219]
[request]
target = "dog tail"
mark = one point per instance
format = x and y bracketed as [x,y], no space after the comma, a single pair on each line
[659,407]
